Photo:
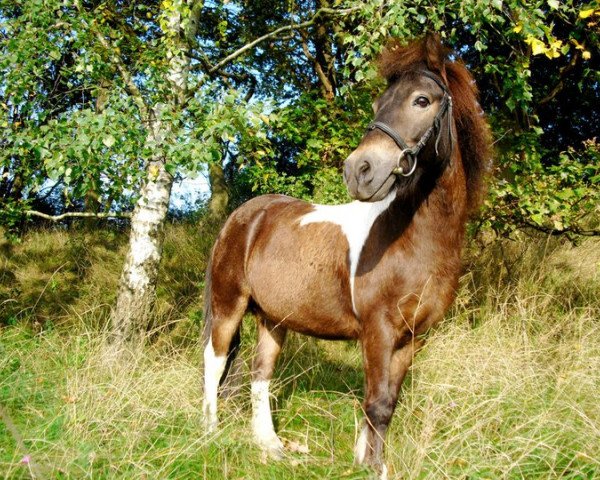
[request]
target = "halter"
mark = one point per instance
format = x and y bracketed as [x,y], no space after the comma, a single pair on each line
[411,152]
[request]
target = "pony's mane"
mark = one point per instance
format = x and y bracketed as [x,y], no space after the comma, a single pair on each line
[472,128]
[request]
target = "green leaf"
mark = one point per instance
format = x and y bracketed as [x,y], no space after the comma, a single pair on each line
[171,168]
[109,141]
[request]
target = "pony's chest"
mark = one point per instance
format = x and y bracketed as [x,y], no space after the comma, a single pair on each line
[410,289]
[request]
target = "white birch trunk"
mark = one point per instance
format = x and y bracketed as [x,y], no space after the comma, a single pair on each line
[137,286]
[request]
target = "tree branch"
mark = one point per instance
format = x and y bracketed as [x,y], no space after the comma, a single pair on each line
[123,72]
[326,85]
[52,189]
[125,76]
[564,231]
[225,76]
[57,218]
[217,69]
[560,85]
[118,61]
[274,33]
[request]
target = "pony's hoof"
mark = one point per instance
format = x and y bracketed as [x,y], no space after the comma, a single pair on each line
[271,447]
[381,471]
[296,447]
[211,427]
[210,424]
[384,473]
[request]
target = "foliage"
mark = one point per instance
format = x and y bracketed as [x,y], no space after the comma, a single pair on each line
[283,115]
[309,140]
[560,197]
[537,69]
[81,85]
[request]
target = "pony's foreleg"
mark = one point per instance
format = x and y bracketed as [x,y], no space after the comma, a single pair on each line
[380,407]
[401,362]
[270,340]
[378,351]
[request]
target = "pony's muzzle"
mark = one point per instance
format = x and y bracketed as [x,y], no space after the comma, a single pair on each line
[358,170]
[367,175]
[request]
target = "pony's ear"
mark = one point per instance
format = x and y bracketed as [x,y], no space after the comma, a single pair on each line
[435,54]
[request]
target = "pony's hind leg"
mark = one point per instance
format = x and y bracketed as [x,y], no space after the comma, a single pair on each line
[270,340]
[214,366]
[223,325]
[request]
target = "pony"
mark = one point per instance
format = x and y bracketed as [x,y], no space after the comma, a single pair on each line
[382,269]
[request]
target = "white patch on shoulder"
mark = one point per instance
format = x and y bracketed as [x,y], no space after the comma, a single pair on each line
[355,219]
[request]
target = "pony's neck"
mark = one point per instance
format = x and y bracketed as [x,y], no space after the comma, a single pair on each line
[429,218]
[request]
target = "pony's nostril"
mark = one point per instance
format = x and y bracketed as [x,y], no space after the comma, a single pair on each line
[364,168]
[364,173]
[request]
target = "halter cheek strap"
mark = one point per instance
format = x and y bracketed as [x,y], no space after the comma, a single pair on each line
[411,152]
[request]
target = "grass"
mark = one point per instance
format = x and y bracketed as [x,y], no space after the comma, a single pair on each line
[506,387]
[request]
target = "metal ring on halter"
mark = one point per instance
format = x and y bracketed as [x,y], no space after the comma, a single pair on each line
[400,170]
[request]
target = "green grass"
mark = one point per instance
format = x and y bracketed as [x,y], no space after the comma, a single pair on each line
[506,387]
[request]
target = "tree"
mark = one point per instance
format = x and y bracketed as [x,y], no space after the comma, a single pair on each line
[537,69]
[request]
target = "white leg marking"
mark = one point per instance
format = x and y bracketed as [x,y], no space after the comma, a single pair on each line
[262,422]
[360,449]
[213,369]
[384,472]
[355,219]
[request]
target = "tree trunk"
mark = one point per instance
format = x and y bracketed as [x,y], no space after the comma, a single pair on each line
[219,198]
[137,285]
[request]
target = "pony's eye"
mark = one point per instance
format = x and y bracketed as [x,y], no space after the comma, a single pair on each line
[422,102]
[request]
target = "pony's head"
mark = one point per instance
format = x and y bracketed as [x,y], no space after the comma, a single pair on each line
[419,120]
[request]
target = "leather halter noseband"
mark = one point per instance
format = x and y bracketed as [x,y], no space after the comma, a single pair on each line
[411,152]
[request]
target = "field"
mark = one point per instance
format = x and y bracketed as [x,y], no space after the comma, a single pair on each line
[506,387]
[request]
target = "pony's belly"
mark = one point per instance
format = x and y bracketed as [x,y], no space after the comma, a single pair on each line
[316,323]
[304,298]
[299,278]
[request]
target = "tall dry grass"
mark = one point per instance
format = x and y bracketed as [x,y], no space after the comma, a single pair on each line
[506,387]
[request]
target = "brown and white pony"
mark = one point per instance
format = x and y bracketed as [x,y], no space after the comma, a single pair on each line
[382,269]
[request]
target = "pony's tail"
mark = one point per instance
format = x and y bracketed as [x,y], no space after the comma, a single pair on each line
[231,379]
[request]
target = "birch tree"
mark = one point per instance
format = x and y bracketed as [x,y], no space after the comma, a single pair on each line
[164,116]
[137,284]
[178,89]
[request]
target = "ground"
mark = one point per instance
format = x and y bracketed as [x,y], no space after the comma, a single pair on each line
[506,387]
